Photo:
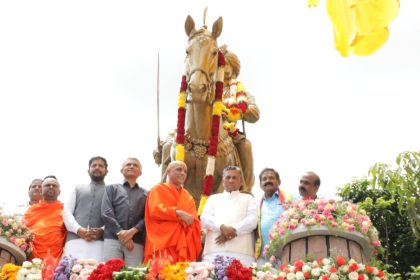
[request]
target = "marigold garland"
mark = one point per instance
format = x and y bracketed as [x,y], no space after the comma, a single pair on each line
[234,105]
[214,138]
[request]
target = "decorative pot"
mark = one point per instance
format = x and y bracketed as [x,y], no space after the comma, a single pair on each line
[320,241]
[10,253]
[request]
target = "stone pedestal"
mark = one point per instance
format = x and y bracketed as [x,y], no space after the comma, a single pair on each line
[10,253]
[320,242]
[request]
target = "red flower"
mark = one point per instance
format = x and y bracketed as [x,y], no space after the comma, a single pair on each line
[307,274]
[219,90]
[368,269]
[361,277]
[340,260]
[325,277]
[298,264]
[282,267]
[380,273]
[353,267]
[333,269]
[183,83]
[207,185]
[220,59]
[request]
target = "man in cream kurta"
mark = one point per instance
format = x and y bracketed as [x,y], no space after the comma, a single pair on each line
[230,219]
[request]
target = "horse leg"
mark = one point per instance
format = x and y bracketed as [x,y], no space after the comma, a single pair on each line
[244,148]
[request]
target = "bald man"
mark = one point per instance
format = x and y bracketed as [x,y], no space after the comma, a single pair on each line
[309,185]
[173,228]
[45,221]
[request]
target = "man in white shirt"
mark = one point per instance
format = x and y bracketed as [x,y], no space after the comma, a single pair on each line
[82,214]
[230,219]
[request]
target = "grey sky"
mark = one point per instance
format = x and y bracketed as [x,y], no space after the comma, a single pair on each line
[78,79]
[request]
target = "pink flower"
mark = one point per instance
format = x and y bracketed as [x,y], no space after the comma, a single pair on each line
[376,243]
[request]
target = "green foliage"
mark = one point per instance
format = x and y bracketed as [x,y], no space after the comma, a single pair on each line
[415,273]
[404,182]
[391,198]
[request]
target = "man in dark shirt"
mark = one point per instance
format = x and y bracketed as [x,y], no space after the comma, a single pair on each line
[123,214]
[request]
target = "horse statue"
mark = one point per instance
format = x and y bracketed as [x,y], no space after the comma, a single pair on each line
[202,96]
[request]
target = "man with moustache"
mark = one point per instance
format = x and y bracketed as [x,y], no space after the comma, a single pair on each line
[82,214]
[35,195]
[46,223]
[309,185]
[271,206]
[123,215]
[35,192]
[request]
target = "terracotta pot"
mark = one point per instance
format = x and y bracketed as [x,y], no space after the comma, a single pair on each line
[320,242]
[10,253]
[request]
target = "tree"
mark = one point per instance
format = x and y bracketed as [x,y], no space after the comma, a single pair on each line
[391,198]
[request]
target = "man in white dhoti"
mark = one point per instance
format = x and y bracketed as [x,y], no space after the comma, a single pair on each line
[230,219]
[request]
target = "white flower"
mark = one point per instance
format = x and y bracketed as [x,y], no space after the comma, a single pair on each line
[35,270]
[37,261]
[316,271]
[326,261]
[26,264]
[299,275]
[361,267]
[291,276]
[282,274]
[189,270]
[353,275]
[91,261]
[344,268]
[23,271]
[334,276]
[76,268]
[306,268]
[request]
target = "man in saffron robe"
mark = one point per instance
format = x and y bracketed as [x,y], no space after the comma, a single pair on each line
[46,223]
[172,226]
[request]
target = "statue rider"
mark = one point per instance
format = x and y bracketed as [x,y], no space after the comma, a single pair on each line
[239,105]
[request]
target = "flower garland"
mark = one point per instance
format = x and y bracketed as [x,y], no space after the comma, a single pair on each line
[234,105]
[214,138]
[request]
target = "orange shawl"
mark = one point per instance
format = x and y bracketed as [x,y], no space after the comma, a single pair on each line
[46,224]
[166,234]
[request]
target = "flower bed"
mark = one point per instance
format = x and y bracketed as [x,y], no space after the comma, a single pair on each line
[222,268]
[329,216]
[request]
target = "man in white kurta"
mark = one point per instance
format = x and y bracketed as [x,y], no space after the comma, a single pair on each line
[230,219]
